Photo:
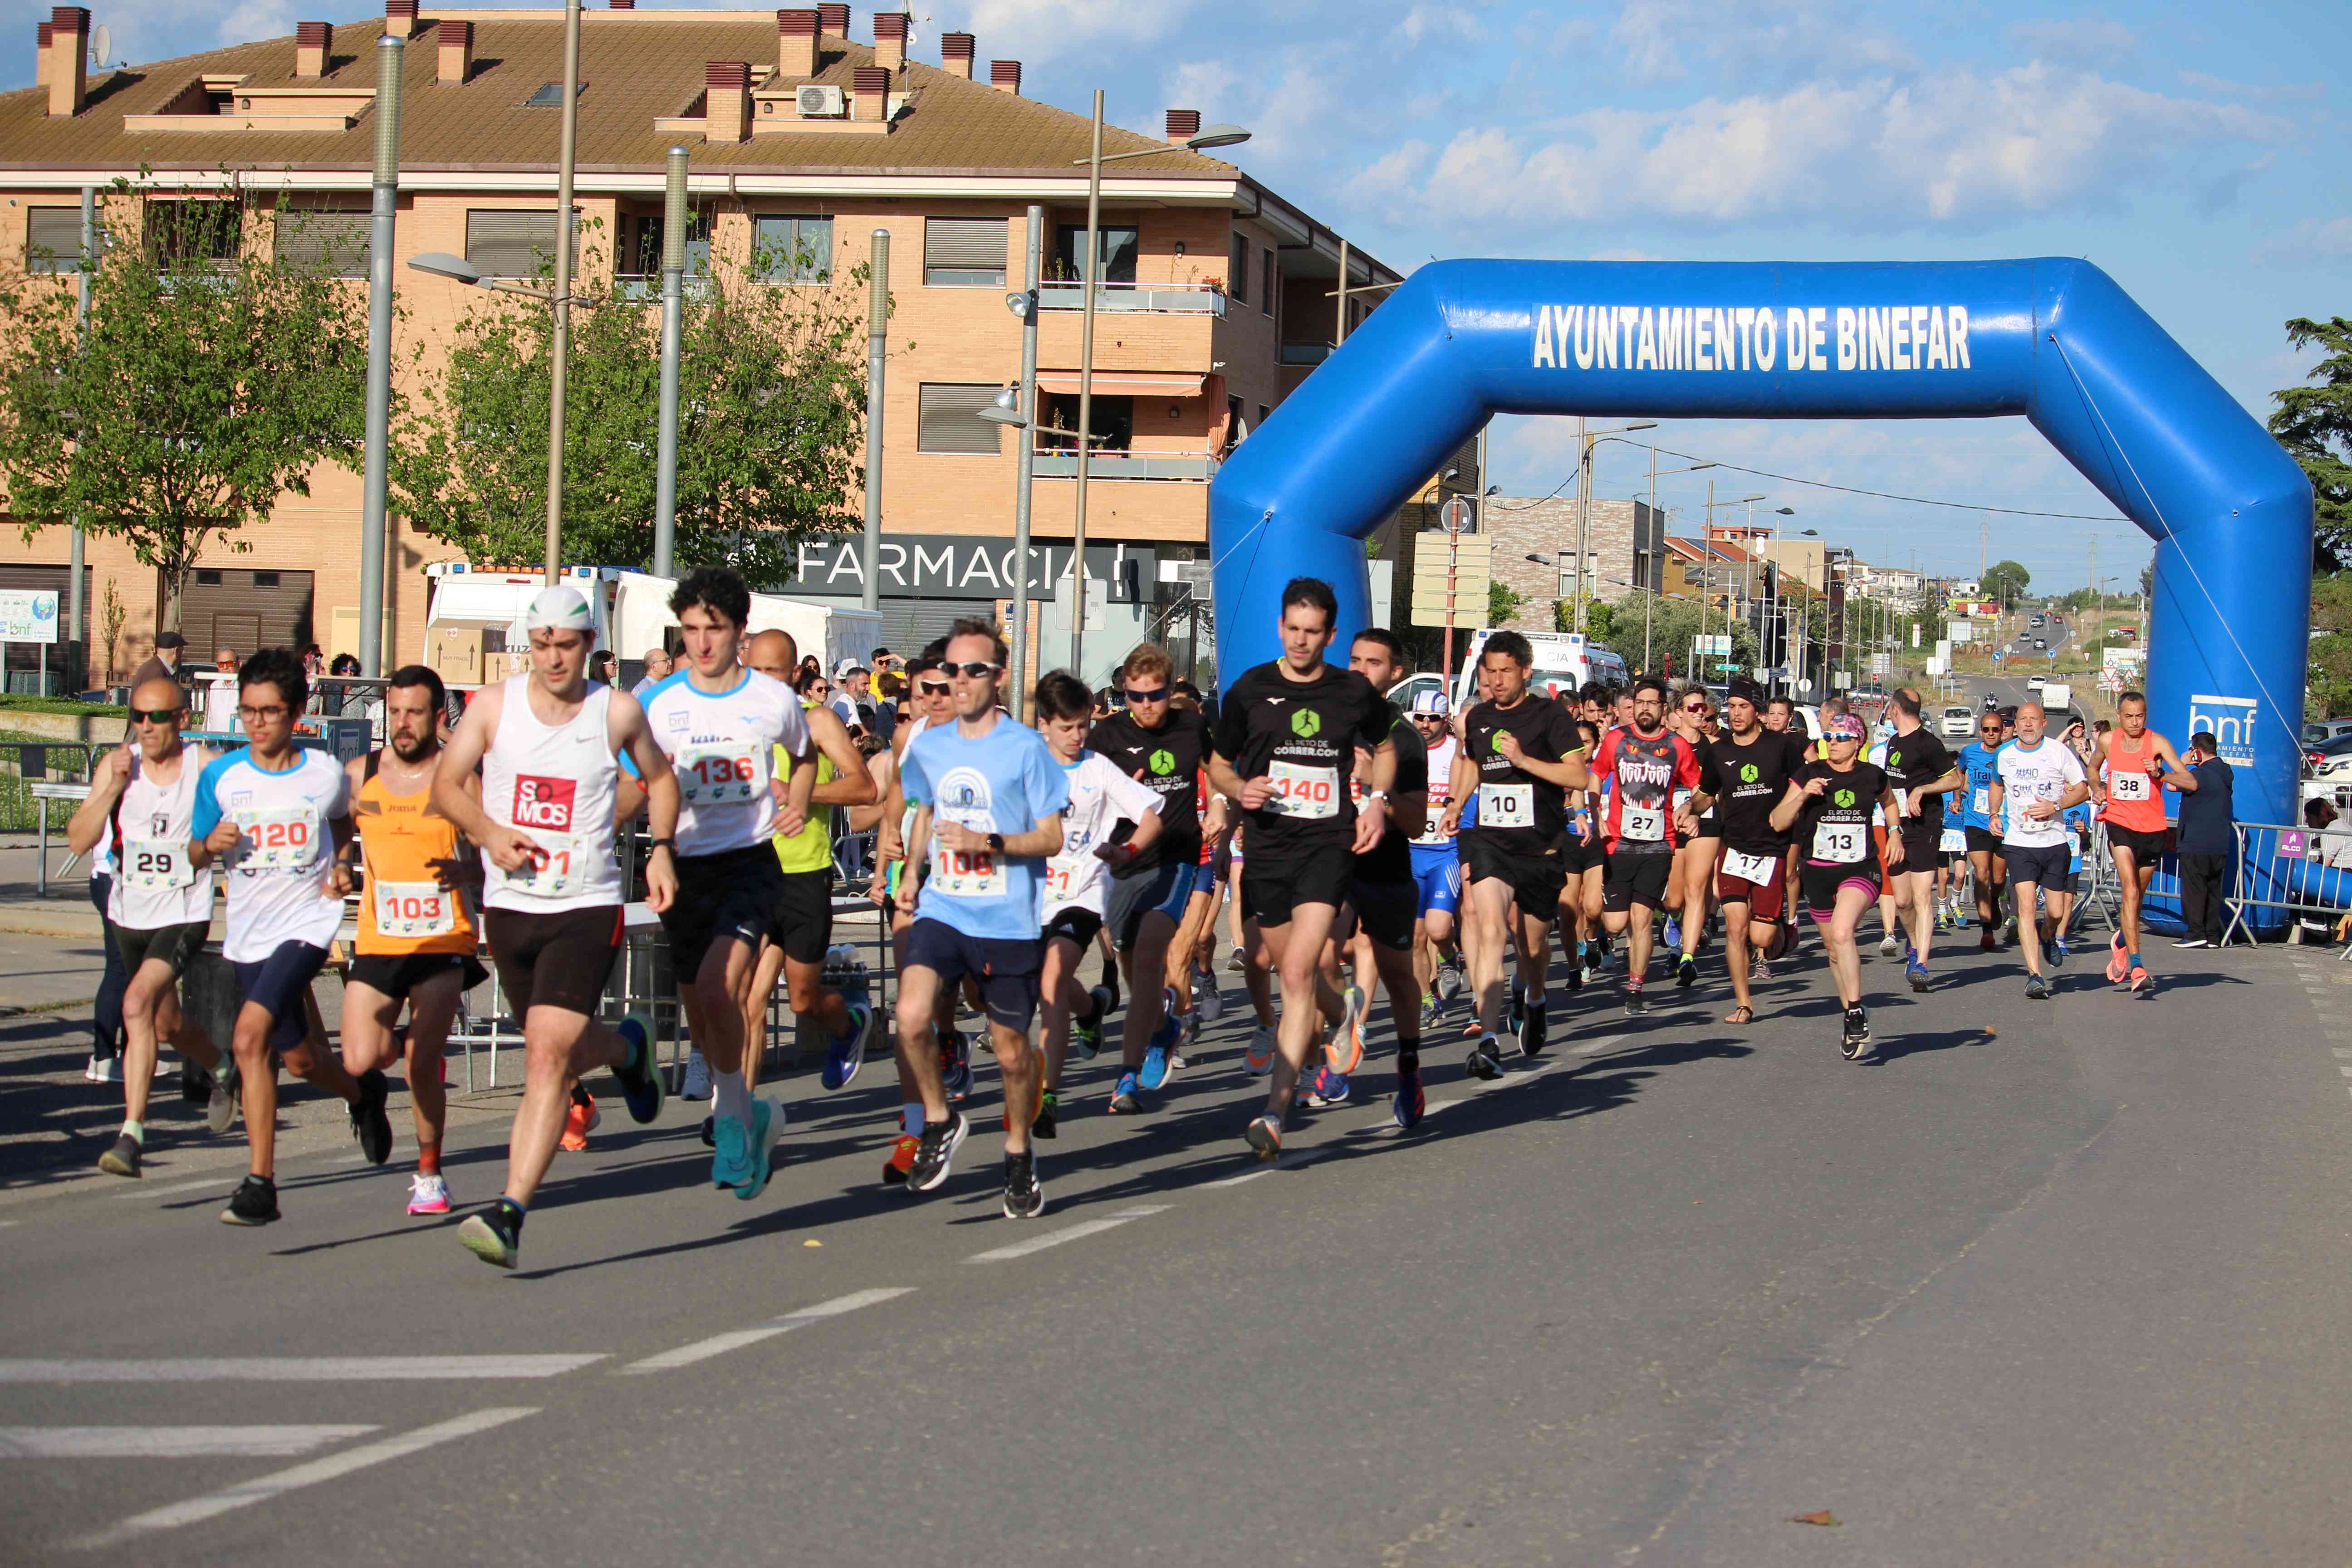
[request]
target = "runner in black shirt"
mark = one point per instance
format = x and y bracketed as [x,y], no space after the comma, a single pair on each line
[1693,880]
[1648,769]
[1285,747]
[1384,900]
[1923,771]
[1757,768]
[1831,817]
[1523,754]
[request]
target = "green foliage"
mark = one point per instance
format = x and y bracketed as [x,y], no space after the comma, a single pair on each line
[2331,645]
[207,383]
[1600,618]
[771,393]
[2006,582]
[1503,603]
[1671,626]
[2315,425]
[60,705]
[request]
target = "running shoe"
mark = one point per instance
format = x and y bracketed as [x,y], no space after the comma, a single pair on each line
[2008,931]
[1188,1035]
[1155,1055]
[1917,972]
[427,1195]
[1760,968]
[1854,1042]
[1025,1199]
[1449,980]
[1986,941]
[2036,988]
[1513,1019]
[1433,1012]
[1049,1105]
[103,1069]
[709,1132]
[641,1079]
[730,1160]
[196,1084]
[767,1127]
[1673,933]
[123,1160]
[1531,1033]
[1890,946]
[1086,1032]
[494,1233]
[1238,962]
[1635,1003]
[1257,1057]
[254,1202]
[902,1160]
[2058,953]
[2119,964]
[2143,983]
[1407,1105]
[955,1069]
[1585,970]
[1942,919]
[1345,1049]
[1265,1137]
[221,1109]
[1122,1093]
[698,1078]
[1687,971]
[1484,1060]
[580,1119]
[935,1152]
[1575,977]
[2193,942]
[1212,1001]
[845,1053]
[1328,1089]
[370,1125]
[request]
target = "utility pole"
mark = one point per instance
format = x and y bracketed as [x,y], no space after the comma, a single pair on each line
[1342,335]
[1086,396]
[560,347]
[390,55]
[1025,458]
[673,304]
[76,614]
[1583,515]
[877,332]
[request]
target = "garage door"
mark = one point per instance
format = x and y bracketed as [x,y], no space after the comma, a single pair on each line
[245,609]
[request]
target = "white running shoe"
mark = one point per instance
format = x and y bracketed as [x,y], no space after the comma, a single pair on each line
[698,1078]
[103,1069]
[427,1195]
[1890,946]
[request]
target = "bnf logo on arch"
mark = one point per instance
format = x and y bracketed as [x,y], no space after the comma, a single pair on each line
[2232,720]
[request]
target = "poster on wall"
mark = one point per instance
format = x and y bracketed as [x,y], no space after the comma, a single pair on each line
[27,615]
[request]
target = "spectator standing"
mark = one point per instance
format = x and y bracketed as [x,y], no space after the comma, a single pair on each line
[220,695]
[2209,843]
[171,649]
[657,669]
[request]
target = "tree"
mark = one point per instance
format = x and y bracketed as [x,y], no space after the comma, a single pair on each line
[207,381]
[1672,625]
[1503,603]
[2331,645]
[771,393]
[2006,582]
[2147,580]
[2315,425]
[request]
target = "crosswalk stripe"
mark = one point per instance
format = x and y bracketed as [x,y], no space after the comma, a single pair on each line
[1068,1233]
[720,1344]
[168,1442]
[294,1369]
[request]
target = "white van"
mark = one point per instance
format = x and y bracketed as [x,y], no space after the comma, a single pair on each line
[1564,662]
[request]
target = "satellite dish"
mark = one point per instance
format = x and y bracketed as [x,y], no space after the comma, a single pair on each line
[102,44]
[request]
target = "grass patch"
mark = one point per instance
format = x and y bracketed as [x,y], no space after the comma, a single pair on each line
[66,705]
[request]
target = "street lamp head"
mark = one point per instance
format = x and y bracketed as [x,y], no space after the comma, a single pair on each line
[1811,533]
[1786,512]
[1021,303]
[1743,501]
[1006,410]
[1643,425]
[1494,490]
[441,264]
[1215,136]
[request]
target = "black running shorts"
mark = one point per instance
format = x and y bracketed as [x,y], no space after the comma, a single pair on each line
[730,896]
[1536,880]
[1636,879]
[559,960]
[1004,967]
[801,920]
[1272,889]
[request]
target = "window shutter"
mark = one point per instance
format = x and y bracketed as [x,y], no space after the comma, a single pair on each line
[951,420]
[511,244]
[967,251]
[338,240]
[57,231]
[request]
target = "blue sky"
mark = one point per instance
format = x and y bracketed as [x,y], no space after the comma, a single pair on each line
[2198,153]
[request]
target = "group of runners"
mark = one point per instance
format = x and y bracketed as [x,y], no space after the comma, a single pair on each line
[1368,850]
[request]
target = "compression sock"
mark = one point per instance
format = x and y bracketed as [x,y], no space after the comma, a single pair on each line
[428,1159]
[135,1130]
[1408,1057]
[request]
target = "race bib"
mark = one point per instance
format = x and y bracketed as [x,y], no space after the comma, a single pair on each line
[1841,843]
[1310,794]
[1902,803]
[156,865]
[1642,823]
[1752,868]
[282,838]
[561,866]
[722,772]
[2129,787]
[967,874]
[1682,799]
[1980,802]
[1508,806]
[1061,882]
[414,909]
[1955,841]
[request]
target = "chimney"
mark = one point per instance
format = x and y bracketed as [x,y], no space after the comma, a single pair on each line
[68,74]
[869,93]
[833,22]
[956,50]
[456,51]
[1005,76]
[399,19]
[890,39]
[622,4]
[796,43]
[313,42]
[1183,124]
[727,102]
[41,55]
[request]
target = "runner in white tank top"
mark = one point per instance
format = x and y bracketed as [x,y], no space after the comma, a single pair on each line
[548,743]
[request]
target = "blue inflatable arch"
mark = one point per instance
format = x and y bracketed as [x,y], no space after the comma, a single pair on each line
[2054,340]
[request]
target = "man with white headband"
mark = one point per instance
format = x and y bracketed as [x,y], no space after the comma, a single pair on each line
[548,743]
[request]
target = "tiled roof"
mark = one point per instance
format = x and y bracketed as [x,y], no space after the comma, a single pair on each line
[637,65]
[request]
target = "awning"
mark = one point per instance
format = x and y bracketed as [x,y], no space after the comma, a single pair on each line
[1124,382]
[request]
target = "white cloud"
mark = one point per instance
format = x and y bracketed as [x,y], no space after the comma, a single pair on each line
[2311,241]
[1955,149]
[1645,30]
[1753,39]
[2072,40]
[1443,23]
[2294,91]
[1040,30]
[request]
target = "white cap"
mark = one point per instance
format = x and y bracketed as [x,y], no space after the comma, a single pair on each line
[846,668]
[1430,702]
[558,609]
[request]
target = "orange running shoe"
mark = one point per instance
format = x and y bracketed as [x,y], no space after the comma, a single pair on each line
[2118,966]
[1345,1050]
[579,1121]
[901,1160]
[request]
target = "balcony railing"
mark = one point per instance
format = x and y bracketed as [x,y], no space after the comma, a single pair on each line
[1186,298]
[1306,354]
[1061,463]
[642,288]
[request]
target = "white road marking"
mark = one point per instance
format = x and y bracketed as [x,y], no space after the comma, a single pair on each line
[216,1183]
[2345,1070]
[1286,1162]
[295,1369]
[720,1344]
[261,1489]
[1068,1233]
[168,1442]
[2339,1053]
[1594,1048]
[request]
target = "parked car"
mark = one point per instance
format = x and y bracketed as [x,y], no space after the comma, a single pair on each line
[2320,759]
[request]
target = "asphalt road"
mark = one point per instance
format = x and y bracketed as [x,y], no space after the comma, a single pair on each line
[2048,1283]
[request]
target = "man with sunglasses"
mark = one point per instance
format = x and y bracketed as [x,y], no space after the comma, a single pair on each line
[1436,867]
[1756,768]
[1383,898]
[1286,739]
[275,816]
[1166,750]
[1693,879]
[1647,766]
[988,798]
[141,804]
[1979,763]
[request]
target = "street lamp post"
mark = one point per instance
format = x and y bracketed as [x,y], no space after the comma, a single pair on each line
[390,55]
[559,344]
[1024,305]
[1585,440]
[673,301]
[878,328]
[1650,604]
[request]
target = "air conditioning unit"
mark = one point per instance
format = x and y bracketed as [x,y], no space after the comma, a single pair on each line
[818,101]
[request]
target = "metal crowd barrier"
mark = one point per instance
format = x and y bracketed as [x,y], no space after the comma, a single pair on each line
[32,774]
[2303,873]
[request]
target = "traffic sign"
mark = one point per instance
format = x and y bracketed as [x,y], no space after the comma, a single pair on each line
[1473,560]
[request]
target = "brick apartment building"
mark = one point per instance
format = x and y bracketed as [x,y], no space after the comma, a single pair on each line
[1534,544]
[1219,298]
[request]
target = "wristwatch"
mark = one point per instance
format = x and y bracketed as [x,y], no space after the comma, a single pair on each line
[1379,794]
[996,842]
[668,844]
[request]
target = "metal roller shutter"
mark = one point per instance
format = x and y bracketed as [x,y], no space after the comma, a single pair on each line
[965,252]
[52,239]
[514,244]
[949,420]
[245,610]
[313,239]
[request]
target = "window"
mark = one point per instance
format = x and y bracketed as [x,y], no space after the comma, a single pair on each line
[208,579]
[264,579]
[1114,422]
[949,420]
[514,244]
[964,252]
[335,243]
[551,95]
[1265,295]
[192,234]
[52,239]
[1115,251]
[792,249]
[641,249]
[1238,283]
